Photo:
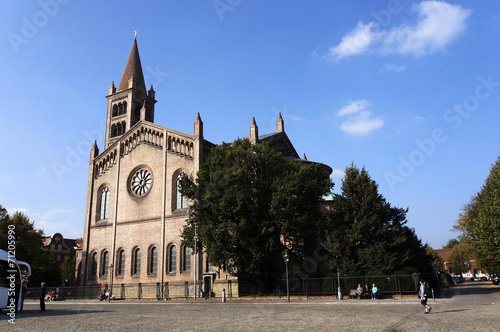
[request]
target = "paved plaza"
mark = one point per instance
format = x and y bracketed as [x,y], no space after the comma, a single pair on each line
[470,307]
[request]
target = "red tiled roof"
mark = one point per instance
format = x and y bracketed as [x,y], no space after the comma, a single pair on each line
[443,253]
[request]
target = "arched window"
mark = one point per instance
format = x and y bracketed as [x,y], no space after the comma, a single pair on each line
[153,260]
[120,268]
[181,199]
[93,267]
[137,261]
[104,209]
[210,268]
[105,263]
[115,110]
[172,259]
[187,259]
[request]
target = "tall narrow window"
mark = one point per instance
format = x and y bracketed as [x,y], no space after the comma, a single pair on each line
[181,199]
[105,263]
[137,261]
[121,263]
[104,213]
[172,257]
[187,259]
[153,260]
[93,268]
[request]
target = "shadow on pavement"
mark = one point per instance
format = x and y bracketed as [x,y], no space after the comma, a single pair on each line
[474,288]
[48,313]
[448,311]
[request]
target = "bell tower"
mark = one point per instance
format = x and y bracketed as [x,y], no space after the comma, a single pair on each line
[130,102]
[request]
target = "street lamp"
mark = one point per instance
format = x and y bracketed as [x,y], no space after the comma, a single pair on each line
[195,258]
[286,258]
[111,282]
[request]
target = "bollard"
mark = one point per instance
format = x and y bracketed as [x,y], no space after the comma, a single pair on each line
[223,295]
[433,298]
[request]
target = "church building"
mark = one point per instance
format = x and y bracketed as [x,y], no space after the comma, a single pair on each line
[134,210]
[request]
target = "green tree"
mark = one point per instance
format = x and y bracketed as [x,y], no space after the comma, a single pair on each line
[68,271]
[459,259]
[483,223]
[251,204]
[29,248]
[435,258]
[368,234]
[451,243]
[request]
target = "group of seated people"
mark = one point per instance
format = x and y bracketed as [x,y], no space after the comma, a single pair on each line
[51,296]
[366,292]
[104,295]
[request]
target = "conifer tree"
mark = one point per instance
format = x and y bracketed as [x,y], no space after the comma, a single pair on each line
[368,234]
[483,224]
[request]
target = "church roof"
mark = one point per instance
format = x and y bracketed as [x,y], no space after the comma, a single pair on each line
[133,68]
[279,141]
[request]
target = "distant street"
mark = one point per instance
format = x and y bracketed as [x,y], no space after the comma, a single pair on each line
[473,306]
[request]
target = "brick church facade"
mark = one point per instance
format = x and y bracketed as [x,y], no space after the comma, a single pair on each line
[134,211]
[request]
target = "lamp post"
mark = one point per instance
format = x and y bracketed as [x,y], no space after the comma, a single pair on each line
[286,258]
[195,260]
[111,281]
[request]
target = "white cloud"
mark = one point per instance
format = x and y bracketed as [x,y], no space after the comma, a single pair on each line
[50,221]
[438,24]
[353,107]
[359,122]
[355,42]
[6,178]
[11,211]
[337,174]
[392,68]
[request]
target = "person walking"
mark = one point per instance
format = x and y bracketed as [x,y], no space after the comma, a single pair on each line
[43,293]
[424,290]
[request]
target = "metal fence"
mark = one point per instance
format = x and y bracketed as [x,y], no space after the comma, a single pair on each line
[388,286]
[120,291]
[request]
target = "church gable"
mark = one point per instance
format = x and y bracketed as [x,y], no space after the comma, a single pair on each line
[280,142]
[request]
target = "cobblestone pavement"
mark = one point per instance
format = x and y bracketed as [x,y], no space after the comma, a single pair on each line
[473,307]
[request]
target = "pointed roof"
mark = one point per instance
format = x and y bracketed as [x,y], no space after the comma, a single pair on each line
[133,69]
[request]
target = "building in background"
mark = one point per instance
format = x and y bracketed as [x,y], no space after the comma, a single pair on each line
[61,248]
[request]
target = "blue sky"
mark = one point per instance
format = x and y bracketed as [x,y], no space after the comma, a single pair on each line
[408,89]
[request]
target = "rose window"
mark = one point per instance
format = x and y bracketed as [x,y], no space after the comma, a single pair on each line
[141,182]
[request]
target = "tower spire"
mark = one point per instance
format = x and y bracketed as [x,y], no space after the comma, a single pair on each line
[132,74]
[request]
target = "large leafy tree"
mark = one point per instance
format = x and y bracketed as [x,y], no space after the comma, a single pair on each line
[436,260]
[369,234]
[251,204]
[451,243]
[68,271]
[29,244]
[459,259]
[480,223]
